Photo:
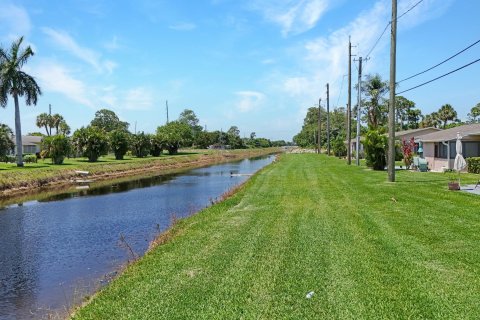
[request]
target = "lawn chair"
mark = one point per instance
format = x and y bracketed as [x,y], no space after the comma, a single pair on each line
[422,165]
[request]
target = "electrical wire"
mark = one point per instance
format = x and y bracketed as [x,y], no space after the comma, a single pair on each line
[443,75]
[388,24]
[438,64]
[340,92]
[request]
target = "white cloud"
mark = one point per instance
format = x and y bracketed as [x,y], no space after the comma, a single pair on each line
[183,26]
[293,17]
[248,100]
[139,98]
[57,78]
[66,42]
[112,45]
[15,22]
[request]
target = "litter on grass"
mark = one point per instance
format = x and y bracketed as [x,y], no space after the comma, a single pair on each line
[310,294]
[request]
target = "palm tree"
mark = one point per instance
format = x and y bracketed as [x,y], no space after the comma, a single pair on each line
[375,88]
[45,120]
[56,120]
[474,113]
[15,82]
[445,113]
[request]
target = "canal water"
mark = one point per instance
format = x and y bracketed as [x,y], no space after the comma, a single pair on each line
[55,251]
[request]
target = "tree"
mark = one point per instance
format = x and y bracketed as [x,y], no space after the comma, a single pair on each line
[56,147]
[233,137]
[447,113]
[56,121]
[474,113]
[17,83]
[108,121]
[375,88]
[119,143]
[6,143]
[190,118]
[406,115]
[413,118]
[204,139]
[64,128]
[140,144]
[90,142]
[44,120]
[430,120]
[174,135]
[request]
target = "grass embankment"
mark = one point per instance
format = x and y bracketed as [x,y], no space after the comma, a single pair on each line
[367,248]
[17,180]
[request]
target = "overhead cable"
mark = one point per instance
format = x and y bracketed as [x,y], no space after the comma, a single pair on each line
[443,75]
[438,64]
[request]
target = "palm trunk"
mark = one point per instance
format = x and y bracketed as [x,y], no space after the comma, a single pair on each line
[18,132]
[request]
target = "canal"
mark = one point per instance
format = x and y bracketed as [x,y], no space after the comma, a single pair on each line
[57,250]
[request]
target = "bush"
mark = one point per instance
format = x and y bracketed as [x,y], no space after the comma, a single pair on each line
[140,144]
[407,150]
[56,147]
[119,142]
[174,135]
[8,158]
[30,158]
[156,145]
[338,147]
[91,142]
[473,165]
[375,150]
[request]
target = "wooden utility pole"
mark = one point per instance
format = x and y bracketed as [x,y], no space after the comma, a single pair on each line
[391,111]
[349,105]
[328,120]
[49,109]
[359,106]
[319,126]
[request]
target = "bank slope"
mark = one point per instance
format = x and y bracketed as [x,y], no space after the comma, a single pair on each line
[365,247]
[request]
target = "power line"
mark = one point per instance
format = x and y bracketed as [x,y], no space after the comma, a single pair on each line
[388,24]
[456,54]
[443,75]
[340,92]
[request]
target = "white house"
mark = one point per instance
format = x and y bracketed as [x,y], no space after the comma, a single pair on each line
[30,144]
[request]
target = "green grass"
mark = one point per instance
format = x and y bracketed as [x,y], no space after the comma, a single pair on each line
[369,249]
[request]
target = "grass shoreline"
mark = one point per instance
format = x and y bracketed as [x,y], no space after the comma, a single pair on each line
[367,248]
[32,179]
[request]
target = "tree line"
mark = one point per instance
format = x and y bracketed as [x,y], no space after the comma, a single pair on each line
[106,132]
[374,114]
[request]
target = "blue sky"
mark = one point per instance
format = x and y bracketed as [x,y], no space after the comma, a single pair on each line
[256,64]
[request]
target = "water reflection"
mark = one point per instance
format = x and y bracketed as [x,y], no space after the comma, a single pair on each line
[55,247]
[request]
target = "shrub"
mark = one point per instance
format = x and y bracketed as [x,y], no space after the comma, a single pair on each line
[119,143]
[30,158]
[91,142]
[156,145]
[375,150]
[56,147]
[9,158]
[338,147]
[174,135]
[140,144]
[473,165]
[407,150]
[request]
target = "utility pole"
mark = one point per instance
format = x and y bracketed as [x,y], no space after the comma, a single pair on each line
[328,119]
[135,127]
[359,106]
[349,106]
[49,109]
[391,111]
[319,125]
[166,105]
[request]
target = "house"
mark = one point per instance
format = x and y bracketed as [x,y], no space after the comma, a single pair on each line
[439,147]
[31,144]
[399,135]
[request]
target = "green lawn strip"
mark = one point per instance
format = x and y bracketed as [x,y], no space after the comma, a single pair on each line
[368,249]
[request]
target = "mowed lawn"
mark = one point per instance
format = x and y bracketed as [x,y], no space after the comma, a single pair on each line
[368,249]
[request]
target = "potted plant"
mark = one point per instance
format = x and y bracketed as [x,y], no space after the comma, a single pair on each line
[453,181]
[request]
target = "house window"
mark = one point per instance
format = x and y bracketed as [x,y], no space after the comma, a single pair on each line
[30,149]
[441,150]
[471,149]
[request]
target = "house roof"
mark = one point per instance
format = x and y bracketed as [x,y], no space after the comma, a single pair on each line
[400,134]
[29,140]
[467,130]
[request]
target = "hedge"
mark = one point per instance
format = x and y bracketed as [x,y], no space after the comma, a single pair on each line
[473,165]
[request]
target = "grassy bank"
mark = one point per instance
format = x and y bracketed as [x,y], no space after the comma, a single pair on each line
[367,248]
[15,180]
